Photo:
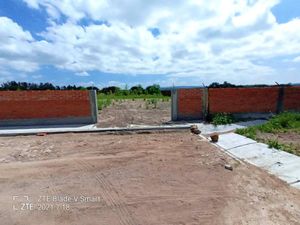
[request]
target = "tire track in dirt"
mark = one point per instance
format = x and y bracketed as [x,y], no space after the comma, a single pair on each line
[6,213]
[52,188]
[110,195]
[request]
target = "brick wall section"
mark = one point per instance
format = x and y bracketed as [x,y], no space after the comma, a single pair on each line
[189,103]
[44,104]
[243,100]
[292,98]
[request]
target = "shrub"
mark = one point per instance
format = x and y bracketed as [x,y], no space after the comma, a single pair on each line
[222,118]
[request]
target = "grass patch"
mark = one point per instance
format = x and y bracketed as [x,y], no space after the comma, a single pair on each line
[284,122]
[281,123]
[103,103]
[249,132]
[290,148]
[273,143]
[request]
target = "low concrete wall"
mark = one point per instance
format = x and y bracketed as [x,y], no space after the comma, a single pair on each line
[47,107]
[257,102]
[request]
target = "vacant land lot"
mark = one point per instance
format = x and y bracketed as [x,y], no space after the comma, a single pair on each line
[155,178]
[105,100]
[127,112]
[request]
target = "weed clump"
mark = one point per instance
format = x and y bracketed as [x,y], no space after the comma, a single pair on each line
[222,119]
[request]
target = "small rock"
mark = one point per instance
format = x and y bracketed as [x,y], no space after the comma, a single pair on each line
[228,167]
[214,137]
[195,130]
[2,160]
[41,134]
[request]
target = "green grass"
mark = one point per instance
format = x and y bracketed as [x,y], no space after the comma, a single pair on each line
[105,100]
[274,143]
[249,132]
[280,123]
[222,119]
[103,103]
[284,122]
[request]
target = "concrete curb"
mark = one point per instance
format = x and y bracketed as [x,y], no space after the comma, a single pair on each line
[85,129]
[284,165]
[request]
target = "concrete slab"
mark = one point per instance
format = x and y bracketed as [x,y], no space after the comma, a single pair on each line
[272,158]
[207,129]
[290,170]
[231,140]
[254,152]
[284,165]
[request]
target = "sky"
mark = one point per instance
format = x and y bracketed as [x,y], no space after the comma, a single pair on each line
[166,42]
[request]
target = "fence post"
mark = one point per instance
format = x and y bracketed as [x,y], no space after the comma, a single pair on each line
[205,104]
[174,105]
[94,105]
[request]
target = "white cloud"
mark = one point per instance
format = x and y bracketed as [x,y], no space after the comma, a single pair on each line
[82,74]
[297,59]
[15,45]
[218,39]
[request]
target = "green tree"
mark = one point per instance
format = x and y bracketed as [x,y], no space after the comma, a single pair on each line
[153,89]
[138,90]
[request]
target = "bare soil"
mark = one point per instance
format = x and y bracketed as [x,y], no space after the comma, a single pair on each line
[288,138]
[124,113]
[156,178]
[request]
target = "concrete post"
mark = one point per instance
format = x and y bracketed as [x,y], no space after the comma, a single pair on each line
[174,104]
[94,105]
[205,103]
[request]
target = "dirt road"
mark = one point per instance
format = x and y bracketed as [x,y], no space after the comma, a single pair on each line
[138,112]
[157,178]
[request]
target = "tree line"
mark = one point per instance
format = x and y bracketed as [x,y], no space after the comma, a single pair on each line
[229,85]
[136,90]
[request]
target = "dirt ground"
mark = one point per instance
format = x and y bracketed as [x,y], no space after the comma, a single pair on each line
[288,138]
[154,178]
[138,112]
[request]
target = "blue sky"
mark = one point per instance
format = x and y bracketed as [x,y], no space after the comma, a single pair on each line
[101,43]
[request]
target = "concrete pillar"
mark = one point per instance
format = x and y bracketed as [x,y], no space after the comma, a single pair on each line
[205,103]
[94,105]
[174,104]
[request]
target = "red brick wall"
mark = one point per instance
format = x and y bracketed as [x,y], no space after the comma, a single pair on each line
[243,100]
[292,98]
[189,103]
[44,104]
